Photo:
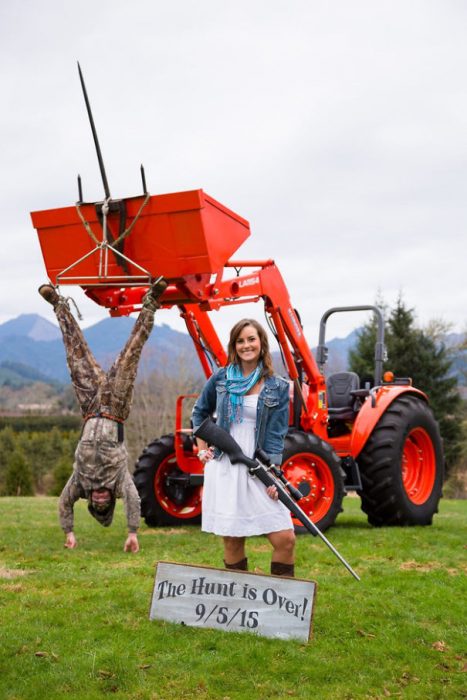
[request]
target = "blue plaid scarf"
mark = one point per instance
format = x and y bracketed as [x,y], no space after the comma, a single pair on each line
[237,386]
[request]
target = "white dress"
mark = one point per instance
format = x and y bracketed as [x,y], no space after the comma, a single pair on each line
[236,504]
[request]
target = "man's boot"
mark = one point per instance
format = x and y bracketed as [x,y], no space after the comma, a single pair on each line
[50,294]
[280,569]
[241,565]
[151,298]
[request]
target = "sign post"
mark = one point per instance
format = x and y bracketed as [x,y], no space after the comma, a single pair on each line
[233,601]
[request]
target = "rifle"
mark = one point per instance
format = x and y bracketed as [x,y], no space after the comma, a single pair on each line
[213,434]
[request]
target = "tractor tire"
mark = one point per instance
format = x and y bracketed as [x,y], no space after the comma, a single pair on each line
[402,465]
[312,466]
[162,503]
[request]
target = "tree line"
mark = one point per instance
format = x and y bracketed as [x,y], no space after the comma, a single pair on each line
[35,462]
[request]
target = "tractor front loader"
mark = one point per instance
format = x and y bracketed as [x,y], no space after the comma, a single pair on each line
[379,439]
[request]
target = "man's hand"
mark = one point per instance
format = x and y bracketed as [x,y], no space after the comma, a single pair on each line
[70,541]
[131,544]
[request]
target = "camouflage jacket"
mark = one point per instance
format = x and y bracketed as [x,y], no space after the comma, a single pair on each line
[100,462]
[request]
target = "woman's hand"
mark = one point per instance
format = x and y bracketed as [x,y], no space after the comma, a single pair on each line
[206,455]
[272,493]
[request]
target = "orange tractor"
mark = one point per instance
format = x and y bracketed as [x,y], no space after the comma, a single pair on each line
[379,439]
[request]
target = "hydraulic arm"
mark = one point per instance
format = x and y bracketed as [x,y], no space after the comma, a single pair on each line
[197,295]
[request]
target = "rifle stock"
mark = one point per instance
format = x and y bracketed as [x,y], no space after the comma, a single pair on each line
[213,434]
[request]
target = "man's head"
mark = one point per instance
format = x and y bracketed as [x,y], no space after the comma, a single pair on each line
[101,505]
[101,500]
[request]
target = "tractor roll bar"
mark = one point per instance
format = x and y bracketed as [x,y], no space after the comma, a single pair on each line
[380,351]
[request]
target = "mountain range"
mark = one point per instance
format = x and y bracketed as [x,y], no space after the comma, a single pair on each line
[31,349]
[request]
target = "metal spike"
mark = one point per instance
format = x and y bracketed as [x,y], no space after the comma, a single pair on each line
[143,178]
[80,190]
[94,134]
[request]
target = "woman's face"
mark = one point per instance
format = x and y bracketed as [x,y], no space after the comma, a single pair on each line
[248,346]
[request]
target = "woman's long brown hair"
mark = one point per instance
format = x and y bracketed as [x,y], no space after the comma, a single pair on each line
[265,356]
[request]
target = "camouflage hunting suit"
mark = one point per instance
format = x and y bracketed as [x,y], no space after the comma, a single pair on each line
[101,459]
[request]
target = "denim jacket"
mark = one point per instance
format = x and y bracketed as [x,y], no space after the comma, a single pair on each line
[272,413]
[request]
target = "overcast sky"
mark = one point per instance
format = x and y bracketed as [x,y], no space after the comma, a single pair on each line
[338,129]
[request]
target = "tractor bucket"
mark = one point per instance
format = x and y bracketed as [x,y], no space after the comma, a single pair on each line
[137,238]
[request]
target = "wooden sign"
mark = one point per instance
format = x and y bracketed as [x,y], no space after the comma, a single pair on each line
[233,601]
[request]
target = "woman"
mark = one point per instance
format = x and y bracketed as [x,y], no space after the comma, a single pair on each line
[252,403]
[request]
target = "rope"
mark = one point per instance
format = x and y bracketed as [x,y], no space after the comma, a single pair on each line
[103,415]
[86,225]
[123,235]
[128,230]
[78,312]
[66,300]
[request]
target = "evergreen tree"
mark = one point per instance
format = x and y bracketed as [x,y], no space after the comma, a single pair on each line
[46,459]
[35,446]
[413,353]
[362,357]
[61,473]
[18,477]
[44,450]
[7,445]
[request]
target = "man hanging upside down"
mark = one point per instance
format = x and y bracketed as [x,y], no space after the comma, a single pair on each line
[100,470]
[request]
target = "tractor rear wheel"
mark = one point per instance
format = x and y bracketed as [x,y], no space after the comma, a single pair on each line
[402,465]
[164,502]
[313,467]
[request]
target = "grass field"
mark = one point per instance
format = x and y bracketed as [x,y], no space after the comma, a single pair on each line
[75,623]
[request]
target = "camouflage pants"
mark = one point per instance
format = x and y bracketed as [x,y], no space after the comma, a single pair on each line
[98,391]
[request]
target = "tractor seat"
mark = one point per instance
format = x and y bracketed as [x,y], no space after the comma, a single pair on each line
[342,404]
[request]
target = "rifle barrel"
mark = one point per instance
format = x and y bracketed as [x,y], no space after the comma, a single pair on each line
[269,480]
